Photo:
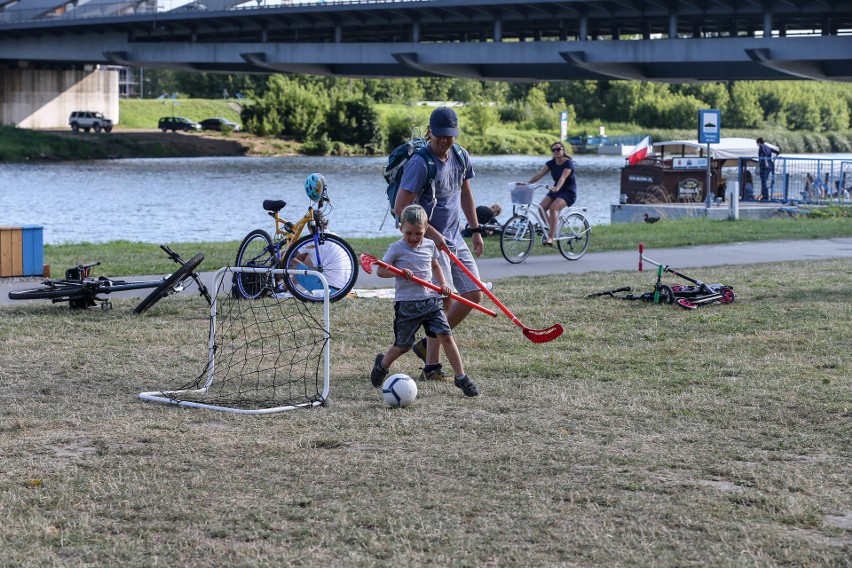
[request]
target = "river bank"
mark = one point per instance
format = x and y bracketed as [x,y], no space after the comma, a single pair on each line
[21,145]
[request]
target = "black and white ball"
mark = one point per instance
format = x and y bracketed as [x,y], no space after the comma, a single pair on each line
[399,390]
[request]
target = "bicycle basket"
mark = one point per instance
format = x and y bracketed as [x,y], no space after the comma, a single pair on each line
[522,193]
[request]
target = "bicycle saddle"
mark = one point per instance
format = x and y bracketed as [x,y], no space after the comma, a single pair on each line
[274,205]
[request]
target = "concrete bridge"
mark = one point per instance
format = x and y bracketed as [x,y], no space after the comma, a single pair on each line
[538,40]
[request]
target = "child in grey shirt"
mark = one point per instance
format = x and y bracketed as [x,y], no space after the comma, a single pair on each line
[417,305]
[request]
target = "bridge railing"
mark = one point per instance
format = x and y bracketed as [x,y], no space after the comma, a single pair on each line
[19,13]
[587,141]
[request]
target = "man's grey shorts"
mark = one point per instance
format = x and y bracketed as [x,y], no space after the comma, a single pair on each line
[455,276]
[410,315]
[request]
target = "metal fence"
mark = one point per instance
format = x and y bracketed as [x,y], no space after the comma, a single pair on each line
[606,140]
[795,180]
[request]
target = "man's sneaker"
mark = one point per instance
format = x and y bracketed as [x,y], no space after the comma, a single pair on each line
[420,349]
[435,375]
[378,374]
[467,386]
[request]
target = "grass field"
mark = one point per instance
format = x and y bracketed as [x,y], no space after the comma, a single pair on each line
[644,436]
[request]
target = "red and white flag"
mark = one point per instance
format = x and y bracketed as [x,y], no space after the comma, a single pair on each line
[639,152]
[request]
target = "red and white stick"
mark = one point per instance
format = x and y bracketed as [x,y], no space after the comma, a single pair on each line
[367,262]
[534,335]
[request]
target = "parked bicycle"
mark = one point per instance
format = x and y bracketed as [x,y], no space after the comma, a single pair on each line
[82,291]
[529,223]
[320,250]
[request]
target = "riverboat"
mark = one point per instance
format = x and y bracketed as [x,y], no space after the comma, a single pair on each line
[676,171]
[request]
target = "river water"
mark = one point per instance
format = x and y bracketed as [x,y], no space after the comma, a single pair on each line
[218,199]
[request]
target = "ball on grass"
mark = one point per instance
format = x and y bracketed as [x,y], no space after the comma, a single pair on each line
[399,390]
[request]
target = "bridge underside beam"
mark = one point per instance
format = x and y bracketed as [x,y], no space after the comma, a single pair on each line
[795,69]
[660,60]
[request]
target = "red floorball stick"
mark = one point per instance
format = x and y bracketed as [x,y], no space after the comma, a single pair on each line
[367,262]
[534,335]
[641,250]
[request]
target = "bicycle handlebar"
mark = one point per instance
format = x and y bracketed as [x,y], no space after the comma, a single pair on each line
[536,185]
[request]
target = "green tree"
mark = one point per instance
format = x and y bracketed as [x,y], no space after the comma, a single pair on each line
[539,114]
[712,95]
[477,118]
[744,110]
[619,99]
[834,114]
[354,121]
[804,114]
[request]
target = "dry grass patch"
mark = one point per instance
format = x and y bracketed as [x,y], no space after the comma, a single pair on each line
[645,435]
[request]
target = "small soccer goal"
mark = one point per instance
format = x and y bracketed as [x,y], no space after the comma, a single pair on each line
[265,355]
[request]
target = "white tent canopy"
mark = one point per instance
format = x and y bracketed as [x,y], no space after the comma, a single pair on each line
[728,150]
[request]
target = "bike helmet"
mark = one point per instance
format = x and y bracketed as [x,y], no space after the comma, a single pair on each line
[315,186]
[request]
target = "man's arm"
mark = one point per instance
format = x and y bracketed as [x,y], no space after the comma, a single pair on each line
[404,198]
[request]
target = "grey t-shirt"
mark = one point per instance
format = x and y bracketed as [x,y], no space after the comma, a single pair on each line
[417,259]
[447,215]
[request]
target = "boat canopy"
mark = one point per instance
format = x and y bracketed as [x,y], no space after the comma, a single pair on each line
[729,150]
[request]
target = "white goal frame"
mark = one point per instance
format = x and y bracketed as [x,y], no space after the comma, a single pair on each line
[162,396]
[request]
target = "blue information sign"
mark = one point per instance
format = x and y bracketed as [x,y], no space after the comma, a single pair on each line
[709,126]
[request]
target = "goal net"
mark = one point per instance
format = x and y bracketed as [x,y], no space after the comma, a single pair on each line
[265,355]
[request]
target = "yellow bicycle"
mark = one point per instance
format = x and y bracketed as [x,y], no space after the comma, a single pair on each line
[319,250]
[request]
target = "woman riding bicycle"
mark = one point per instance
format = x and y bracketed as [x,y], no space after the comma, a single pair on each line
[564,192]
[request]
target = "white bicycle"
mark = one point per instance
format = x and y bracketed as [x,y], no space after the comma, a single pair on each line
[529,223]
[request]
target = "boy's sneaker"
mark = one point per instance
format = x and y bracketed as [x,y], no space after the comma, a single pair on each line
[435,375]
[420,349]
[378,374]
[467,386]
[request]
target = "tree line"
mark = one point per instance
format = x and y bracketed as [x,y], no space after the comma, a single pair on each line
[323,111]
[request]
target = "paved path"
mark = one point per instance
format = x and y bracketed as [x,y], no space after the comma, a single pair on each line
[679,257]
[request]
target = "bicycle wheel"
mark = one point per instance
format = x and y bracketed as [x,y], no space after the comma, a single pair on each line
[169,285]
[667,295]
[336,262]
[59,291]
[574,233]
[517,239]
[256,251]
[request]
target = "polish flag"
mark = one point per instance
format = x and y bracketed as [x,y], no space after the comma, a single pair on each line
[639,152]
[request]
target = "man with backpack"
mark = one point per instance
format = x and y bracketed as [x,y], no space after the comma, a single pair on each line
[446,198]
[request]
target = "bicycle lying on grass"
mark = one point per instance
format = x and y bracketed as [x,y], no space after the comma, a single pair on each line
[320,251]
[529,221]
[688,297]
[82,291]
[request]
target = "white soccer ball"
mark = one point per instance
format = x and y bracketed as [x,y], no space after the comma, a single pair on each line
[399,390]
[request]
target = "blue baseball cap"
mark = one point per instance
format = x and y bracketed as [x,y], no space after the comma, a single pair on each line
[444,122]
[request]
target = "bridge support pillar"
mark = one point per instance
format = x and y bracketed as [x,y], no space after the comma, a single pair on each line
[43,98]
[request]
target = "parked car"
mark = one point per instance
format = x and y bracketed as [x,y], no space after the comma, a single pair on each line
[175,123]
[89,120]
[219,124]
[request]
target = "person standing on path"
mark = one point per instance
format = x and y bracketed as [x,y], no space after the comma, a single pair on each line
[765,166]
[448,199]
